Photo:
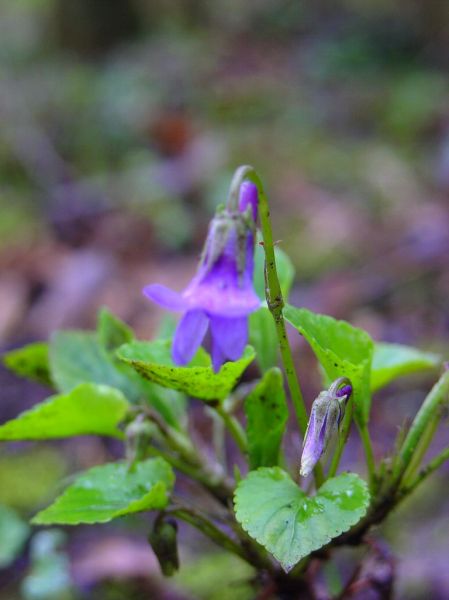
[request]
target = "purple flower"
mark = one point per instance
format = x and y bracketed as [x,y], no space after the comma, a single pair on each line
[221,294]
[325,418]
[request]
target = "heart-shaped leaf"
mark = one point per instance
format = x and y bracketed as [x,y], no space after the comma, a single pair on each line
[391,361]
[343,351]
[110,491]
[87,409]
[152,360]
[273,510]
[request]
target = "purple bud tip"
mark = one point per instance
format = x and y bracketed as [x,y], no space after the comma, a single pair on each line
[346,390]
[248,197]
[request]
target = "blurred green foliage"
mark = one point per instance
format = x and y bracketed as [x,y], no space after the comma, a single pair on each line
[217,576]
[29,477]
[313,86]
[13,535]
[49,577]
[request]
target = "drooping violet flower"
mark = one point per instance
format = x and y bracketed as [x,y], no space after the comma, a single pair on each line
[221,294]
[325,417]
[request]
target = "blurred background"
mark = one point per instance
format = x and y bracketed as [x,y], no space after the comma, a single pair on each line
[121,125]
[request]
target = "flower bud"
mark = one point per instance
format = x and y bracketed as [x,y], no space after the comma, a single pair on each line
[163,540]
[325,417]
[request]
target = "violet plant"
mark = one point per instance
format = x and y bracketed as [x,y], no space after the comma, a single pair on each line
[254,502]
[221,294]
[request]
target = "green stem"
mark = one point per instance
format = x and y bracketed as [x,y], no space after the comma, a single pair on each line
[383,504]
[234,428]
[218,486]
[210,530]
[218,437]
[175,440]
[433,465]
[275,300]
[425,414]
[422,448]
[368,449]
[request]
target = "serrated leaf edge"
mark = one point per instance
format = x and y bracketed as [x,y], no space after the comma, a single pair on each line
[289,566]
[36,520]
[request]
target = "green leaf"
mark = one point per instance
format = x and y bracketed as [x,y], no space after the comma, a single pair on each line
[153,361]
[285,271]
[391,361]
[13,535]
[343,351]
[167,327]
[78,357]
[288,523]
[31,362]
[170,404]
[110,491]
[112,332]
[87,409]
[267,414]
[263,337]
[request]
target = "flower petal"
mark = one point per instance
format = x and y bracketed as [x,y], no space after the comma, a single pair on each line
[188,336]
[230,334]
[218,358]
[248,197]
[164,296]
[313,444]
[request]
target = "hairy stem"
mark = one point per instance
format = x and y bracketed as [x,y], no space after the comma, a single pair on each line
[275,300]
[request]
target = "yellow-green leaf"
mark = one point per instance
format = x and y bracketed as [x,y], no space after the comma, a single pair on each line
[152,360]
[87,409]
[342,349]
[110,491]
